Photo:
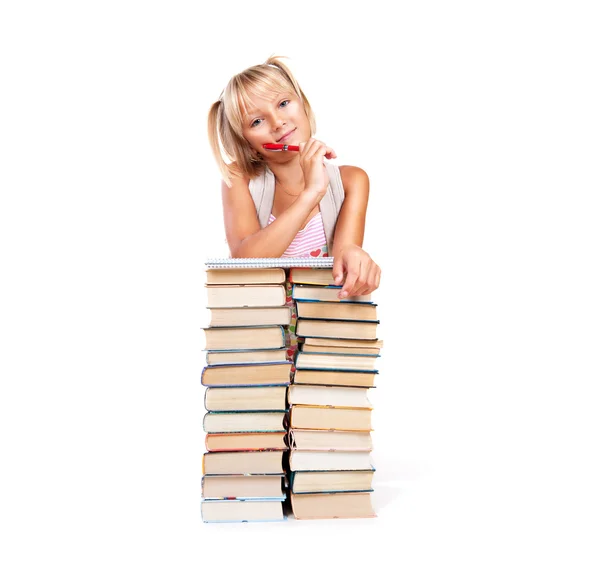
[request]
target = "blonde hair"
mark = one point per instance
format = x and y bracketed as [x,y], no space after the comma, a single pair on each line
[226,116]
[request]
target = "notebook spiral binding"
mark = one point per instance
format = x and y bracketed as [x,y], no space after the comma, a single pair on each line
[323,262]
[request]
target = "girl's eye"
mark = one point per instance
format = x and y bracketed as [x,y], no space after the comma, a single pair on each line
[255,123]
[284,103]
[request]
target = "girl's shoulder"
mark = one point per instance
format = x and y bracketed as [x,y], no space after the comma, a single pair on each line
[238,184]
[236,173]
[354,179]
[238,181]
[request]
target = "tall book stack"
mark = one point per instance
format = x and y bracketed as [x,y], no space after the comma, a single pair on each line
[246,378]
[329,411]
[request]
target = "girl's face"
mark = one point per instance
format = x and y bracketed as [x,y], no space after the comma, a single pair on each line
[277,119]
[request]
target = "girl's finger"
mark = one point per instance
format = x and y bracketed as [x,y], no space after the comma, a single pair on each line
[371,284]
[352,274]
[362,280]
[329,152]
[305,147]
[318,149]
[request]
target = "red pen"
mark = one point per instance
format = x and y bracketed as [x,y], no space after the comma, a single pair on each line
[280,147]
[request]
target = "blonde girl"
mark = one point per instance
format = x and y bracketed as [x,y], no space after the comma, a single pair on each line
[287,203]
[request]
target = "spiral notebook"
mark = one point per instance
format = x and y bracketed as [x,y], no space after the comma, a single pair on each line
[307,262]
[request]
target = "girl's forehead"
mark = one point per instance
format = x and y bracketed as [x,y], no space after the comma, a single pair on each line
[257,101]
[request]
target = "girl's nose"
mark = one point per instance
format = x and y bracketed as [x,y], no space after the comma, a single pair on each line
[278,121]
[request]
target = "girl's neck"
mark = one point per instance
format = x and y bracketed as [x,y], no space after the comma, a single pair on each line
[288,175]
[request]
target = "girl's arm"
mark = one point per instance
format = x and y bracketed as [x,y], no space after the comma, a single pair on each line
[362,274]
[245,237]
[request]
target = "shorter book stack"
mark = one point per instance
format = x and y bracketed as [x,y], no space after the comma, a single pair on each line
[330,414]
[246,379]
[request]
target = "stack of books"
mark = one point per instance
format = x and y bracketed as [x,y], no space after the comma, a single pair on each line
[263,401]
[330,441]
[246,378]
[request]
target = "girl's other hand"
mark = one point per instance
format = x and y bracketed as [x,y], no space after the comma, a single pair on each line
[362,275]
[312,154]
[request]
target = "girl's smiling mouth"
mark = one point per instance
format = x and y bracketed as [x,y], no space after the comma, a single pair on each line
[286,135]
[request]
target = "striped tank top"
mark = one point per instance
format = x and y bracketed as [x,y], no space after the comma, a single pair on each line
[309,242]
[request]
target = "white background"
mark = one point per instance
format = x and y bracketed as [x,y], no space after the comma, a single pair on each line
[478,123]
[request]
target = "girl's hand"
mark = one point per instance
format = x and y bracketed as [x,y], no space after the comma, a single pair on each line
[362,275]
[312,153]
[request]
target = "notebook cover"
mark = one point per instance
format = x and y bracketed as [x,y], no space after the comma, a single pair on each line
[308,262]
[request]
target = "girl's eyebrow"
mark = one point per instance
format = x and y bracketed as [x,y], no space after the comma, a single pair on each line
[250,112]
[254,111]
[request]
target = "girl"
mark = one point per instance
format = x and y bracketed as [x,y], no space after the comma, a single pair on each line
[287,203]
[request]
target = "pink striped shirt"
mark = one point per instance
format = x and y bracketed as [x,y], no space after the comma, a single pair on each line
[310,241]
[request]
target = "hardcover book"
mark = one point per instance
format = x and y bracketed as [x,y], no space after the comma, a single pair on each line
[243,422]
[244,338]
[359,344]
[255,398]
[351,362]
[241,511]
[315,440]
[242,487]
[335,377]
[353,311]
[329,460]
[246,276]
[325,294]
[328,396]
[335,505]
[259,316]
[221,442]
[336,329]
[316,276]
[241,296]
[330,418]
[331,481]
[315,349]
[243,463]
[250,356]
[247,374]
